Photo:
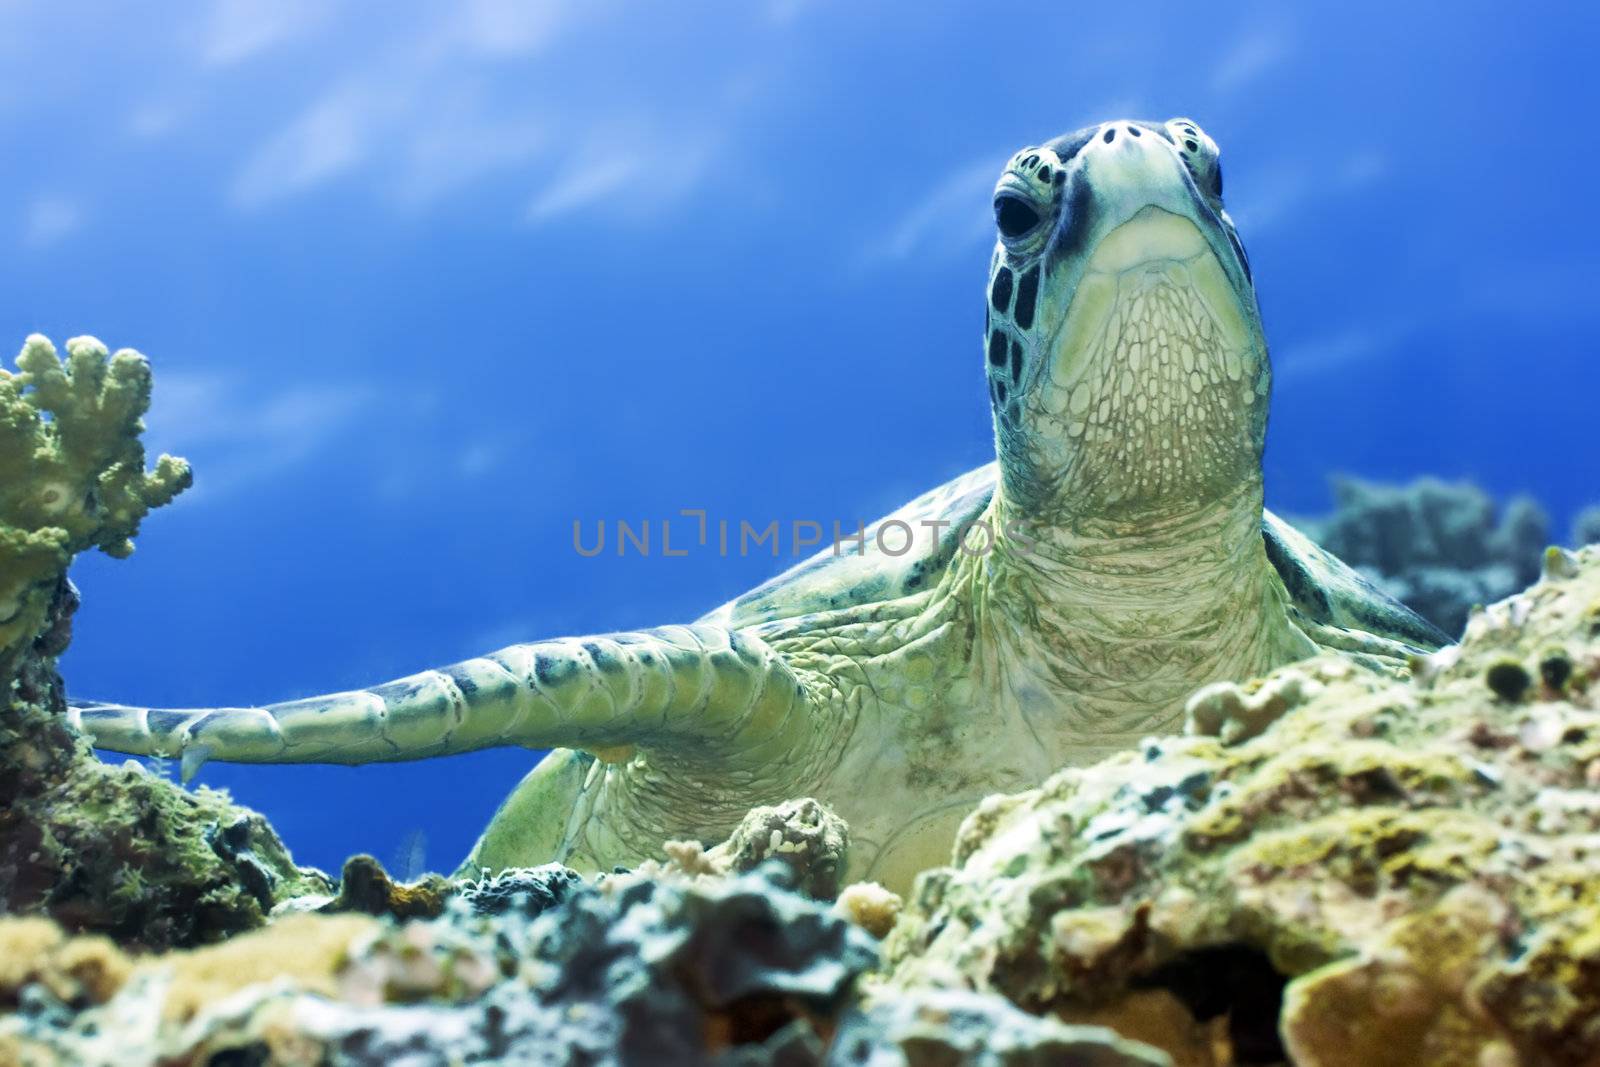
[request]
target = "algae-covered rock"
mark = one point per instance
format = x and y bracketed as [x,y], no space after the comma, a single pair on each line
[1414,861]
[98,848]
[364,886]
[116,850]
[804,835]
[1408,997]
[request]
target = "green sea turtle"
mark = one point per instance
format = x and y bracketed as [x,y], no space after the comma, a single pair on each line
[1059,604]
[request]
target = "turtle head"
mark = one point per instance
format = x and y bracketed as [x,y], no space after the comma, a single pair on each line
[1126,364]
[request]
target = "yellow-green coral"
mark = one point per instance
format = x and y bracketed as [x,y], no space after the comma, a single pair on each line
[306,951]
[1407,1000]
[159,996]
[72,473]
[78,971]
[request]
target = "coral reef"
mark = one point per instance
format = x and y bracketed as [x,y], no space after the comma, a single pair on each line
[736,970]
[675,965]
[98,848]
[119,851]
[1438,547]
[1391,873]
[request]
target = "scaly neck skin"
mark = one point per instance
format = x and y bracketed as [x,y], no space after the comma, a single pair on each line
[1100,627]
[1130,569]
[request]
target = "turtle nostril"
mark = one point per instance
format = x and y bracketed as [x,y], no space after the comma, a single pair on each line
[1111,135]
[1133,131]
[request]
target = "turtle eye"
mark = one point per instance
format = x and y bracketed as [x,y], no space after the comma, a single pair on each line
[1014,216]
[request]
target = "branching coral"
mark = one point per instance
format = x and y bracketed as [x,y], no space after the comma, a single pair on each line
[72,474]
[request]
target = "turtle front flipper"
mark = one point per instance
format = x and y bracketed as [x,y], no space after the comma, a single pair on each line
[695,689]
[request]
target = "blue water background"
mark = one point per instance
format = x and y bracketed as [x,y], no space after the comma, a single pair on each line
[423,284]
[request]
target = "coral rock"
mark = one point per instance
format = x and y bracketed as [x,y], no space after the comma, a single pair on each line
[530,891]
[731,971]
[804,836]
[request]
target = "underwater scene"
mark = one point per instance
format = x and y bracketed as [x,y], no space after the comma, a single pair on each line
[791,533]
